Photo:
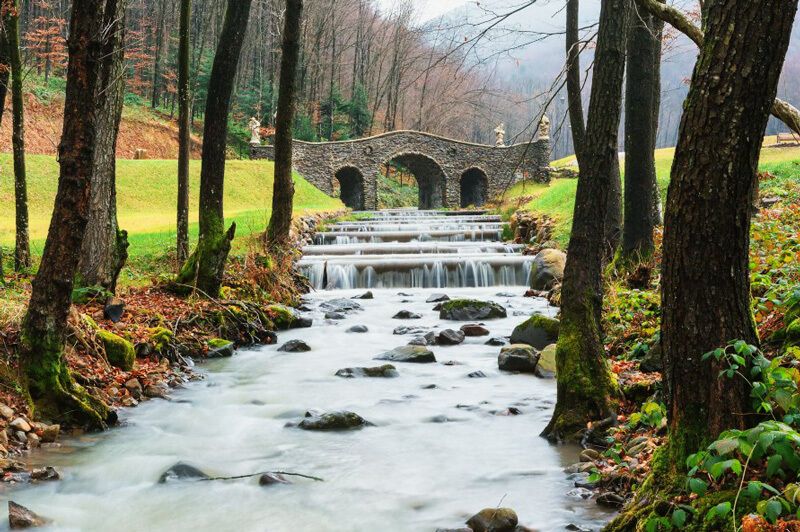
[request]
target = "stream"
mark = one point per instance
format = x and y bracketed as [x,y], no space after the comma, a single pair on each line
[441,446]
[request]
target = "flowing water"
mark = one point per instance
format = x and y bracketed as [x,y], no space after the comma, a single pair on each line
[441,447]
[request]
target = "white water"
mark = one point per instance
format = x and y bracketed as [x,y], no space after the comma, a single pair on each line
[406,473]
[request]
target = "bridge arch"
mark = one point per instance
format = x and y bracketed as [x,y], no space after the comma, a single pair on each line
[474,187]
[431,178]
[350,182]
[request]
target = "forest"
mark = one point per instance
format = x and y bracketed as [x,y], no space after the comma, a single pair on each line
[343,265]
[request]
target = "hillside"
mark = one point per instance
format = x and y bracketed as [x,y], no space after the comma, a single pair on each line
[558,198]
[147,192]
[141,127]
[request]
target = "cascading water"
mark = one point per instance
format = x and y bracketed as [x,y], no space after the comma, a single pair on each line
[446,439]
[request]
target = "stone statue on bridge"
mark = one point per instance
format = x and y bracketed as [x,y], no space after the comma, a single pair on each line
[544,127]
[255,131]
[500,135]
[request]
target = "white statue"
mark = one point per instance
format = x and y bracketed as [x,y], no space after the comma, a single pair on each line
[500,135]
[544,127]
[255,134]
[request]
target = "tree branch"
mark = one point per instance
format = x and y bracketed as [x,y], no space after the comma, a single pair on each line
[782,110]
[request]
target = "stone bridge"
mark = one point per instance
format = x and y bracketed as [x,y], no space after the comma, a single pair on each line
[450,173]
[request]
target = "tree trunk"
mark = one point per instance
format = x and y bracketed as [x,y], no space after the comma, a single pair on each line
[105,246]
[52,390]
[205,268]
[574,99]
[22,249]
[184,139]
[585,387]
[642,87]
[280,221]
[5,75]
[156,96]
[706,283]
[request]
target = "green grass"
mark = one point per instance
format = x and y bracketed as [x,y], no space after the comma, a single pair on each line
[558,198]
[146,199]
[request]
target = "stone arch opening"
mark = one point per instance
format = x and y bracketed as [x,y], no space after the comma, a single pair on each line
[350,183]
[430,177]
[474,187]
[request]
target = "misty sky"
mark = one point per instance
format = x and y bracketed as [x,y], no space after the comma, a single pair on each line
[427,9]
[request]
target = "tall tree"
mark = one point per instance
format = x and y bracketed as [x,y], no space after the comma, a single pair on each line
[204,269]
[51,387]
[642,99]
[585,387]
[574,78]
[280,221]
[22,249]
[105,246]
[5,75]
[184,140]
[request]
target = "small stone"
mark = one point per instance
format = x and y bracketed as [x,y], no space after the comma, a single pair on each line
[437,298]
[494,520]
[408,353]
[182,471]
[295,346]
[590,455]
[33,440]
[20,517]
[407,315]
[6,411]
[449,337]
[270,479]
[476,375]
[473,329]
[156,390]
[365,295]
[21,436]
[496,341]
[387,371]
[333,421]
[220,348]
[332,315]
[114,309]
[358,329]
[45,474]
[134,387]
[20,424]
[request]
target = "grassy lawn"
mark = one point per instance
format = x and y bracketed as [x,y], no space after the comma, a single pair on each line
[147,195]
[558,198]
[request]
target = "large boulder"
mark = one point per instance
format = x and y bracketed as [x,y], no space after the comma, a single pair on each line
[538,331]
[20,517]
[547,269]
[471,310]
[408,353]
[333,421]
[494,520]
[520,358]
[220,348]
[119,351]
[387,370]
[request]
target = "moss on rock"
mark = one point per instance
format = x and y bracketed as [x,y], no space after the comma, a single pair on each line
[160,337]
[538,330]
[119,351]
[281,317]
[471,310]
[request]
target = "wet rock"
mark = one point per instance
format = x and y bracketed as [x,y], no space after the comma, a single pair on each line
[270,479]
[510,411]
[538,331]
[547,269]
[580,493]
[453,530]
[114,309]
[449,337]
[387,371]
[333,421]
[429,387]
[575,528]
[366,295]
[45,474]
[358,329]
[407,315]
[20,424]
[476,375]
[334,316]
[473,329]
[471,310]
[496,341]
[610,499]
[590,455]
[33,440]
[20,517]
[437,298]
[301,322]
[546,368]
[6,411]
[519,358]
[428,338]
[119,351]
[220,348]
[438,306]
[494,520]
[182,471]
[506,294]
[408,353]
[134,387]
[406,329]
[404,294]
[341,305]
[47,433]
[21,436]
[441,418]
[295,346]
[156,391]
